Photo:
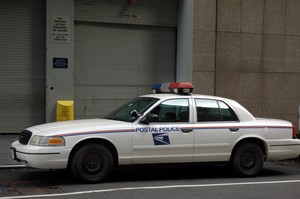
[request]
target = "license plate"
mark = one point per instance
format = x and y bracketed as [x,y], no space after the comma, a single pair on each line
[13,153]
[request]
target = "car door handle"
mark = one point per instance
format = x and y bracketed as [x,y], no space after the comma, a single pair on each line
[234,129]
[186,130]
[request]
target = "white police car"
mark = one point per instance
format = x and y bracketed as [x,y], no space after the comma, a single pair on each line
[177,127]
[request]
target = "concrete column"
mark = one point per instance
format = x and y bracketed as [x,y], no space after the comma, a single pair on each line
[185,40]
[59,54]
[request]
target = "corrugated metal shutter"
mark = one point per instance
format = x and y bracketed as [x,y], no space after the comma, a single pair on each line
[144,12]
[22,64]
[116,60]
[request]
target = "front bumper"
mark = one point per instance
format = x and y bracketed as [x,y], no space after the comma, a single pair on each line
[40,157]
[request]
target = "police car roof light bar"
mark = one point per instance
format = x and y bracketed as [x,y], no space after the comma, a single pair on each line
[174,87]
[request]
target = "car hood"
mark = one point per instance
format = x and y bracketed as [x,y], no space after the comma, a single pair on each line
[80,126]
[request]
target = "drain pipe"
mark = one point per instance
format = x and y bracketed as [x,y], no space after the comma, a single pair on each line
[216,39]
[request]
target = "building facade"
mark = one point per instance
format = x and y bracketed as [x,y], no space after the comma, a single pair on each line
[250,51]
[100,53]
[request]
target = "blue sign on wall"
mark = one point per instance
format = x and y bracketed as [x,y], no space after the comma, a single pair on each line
[60,62]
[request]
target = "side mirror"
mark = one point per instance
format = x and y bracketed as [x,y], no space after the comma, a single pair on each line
[150,118]
[134,114]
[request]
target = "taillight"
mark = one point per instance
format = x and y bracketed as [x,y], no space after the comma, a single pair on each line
[294,132]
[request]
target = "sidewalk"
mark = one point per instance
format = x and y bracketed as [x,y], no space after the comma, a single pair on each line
[5,141]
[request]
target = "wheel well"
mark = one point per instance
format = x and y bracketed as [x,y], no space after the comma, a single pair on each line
[100,141]
[256,141]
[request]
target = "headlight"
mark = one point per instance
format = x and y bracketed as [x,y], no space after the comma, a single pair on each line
[47,141]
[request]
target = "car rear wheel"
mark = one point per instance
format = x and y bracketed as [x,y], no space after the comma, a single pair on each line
[92,163]
[248,160]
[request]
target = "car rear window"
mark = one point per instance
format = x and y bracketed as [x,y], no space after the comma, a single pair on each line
[214,110]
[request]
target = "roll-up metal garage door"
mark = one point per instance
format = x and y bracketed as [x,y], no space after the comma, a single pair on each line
[120,51]
[22,64]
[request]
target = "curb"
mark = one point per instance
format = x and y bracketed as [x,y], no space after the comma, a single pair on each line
[12,166]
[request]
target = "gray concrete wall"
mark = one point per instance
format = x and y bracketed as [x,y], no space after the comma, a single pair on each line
[249,50]
[59,81]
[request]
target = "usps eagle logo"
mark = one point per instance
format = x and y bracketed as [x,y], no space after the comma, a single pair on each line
[161,138]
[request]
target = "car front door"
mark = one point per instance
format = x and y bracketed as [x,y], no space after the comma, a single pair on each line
[167,139]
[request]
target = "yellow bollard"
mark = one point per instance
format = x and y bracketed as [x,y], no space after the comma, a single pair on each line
[64,110]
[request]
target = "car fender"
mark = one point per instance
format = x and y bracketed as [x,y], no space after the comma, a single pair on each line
[250,138]
[95,139]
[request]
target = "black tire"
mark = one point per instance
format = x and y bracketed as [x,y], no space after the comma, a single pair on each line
[92,163]
[248,160]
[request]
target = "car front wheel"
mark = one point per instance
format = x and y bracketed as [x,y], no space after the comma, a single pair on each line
[248,160]
[92,163]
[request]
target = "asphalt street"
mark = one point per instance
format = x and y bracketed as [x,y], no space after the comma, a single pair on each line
[278,180]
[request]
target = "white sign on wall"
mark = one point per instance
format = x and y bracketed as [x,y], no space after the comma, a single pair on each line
[60,29]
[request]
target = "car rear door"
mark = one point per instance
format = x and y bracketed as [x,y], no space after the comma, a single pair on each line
[216,128]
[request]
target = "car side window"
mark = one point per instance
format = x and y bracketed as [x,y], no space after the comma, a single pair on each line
[214,110]
[175,110]
[227,113]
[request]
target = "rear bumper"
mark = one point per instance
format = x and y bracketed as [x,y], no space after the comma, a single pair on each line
[289,149]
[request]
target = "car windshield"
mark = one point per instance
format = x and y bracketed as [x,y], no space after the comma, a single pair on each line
[123,113]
